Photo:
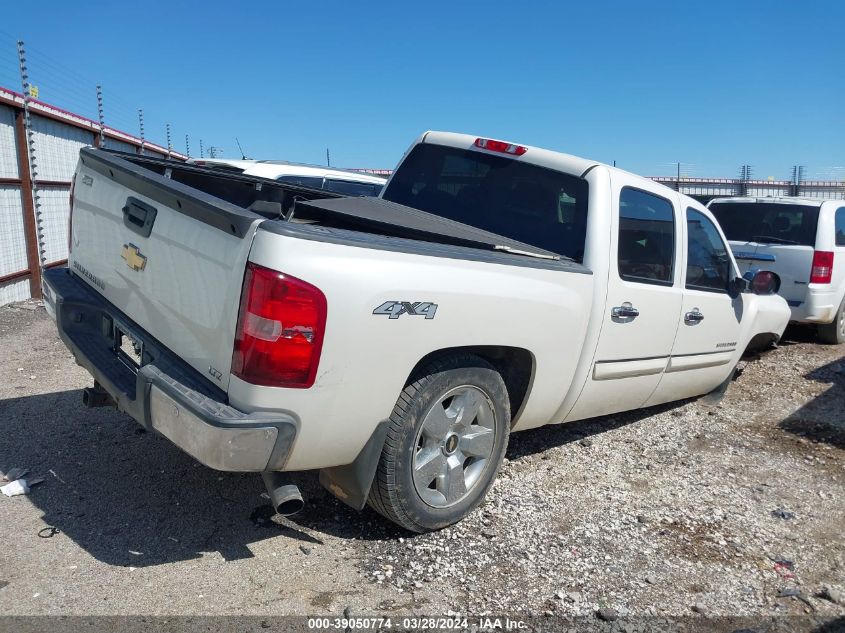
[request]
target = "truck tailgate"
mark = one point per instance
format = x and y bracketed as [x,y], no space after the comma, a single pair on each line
[170,260]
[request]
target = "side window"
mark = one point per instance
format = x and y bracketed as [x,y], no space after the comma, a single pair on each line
[840,226]
[646,238]
[708,263]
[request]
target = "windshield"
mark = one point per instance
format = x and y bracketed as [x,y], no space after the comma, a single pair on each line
[524,202]
[768,222]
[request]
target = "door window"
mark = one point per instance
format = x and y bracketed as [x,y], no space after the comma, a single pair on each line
[646,238]
[840,226]
[708,263]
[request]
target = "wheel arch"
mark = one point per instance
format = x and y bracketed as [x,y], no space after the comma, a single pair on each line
[515,364]
[351,483]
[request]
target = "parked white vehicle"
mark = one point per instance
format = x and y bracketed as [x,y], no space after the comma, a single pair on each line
[343,181]
[803,241]
[395,342]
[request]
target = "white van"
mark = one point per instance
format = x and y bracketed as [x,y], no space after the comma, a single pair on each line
[803,241]
[342,181]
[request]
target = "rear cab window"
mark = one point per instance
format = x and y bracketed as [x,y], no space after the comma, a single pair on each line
[524,202]
[768,222]
[646,238]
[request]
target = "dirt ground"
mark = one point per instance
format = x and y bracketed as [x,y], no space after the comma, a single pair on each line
[681,510]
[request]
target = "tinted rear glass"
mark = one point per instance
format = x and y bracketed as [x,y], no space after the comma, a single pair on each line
[768,222]
[523,202]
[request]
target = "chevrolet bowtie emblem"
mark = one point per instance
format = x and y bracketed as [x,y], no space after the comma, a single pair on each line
[133,258]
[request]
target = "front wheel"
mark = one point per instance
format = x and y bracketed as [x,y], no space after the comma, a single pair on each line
[447,436]
[834,332]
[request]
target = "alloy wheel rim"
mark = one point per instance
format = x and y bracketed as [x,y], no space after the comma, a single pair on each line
[454,446]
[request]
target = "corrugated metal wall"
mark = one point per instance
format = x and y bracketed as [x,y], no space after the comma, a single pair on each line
[120,146]
[12,237]
[56,150]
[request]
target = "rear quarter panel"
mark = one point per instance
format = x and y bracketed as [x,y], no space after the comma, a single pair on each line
[367,358]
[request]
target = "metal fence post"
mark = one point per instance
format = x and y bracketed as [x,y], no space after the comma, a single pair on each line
[100,115]
[25,142]
[141,126]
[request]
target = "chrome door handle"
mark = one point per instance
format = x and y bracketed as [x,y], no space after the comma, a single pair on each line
[693,316]
[625,311]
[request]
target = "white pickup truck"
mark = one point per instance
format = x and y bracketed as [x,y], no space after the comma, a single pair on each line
[393,343]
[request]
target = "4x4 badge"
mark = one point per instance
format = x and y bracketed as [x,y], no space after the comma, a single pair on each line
[395,309]
[131,254]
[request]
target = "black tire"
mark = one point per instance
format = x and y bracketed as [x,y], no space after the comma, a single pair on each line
[393,493]
[834,333]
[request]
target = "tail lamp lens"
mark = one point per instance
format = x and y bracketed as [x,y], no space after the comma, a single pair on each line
[822,269]
[280,331]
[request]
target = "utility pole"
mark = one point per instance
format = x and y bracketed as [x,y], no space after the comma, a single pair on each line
[328,160]
[678,180]
[101,117]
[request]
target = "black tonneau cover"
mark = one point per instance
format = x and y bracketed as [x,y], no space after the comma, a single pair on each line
[410,222]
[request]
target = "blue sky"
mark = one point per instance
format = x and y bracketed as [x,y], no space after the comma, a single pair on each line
[711,84]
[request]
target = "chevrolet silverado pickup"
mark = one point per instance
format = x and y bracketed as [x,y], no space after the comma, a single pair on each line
[394,343]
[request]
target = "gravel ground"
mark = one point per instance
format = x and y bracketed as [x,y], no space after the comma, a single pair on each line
[682,510]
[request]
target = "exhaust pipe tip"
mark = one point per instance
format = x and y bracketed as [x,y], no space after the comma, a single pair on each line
[288,500]
[284,495]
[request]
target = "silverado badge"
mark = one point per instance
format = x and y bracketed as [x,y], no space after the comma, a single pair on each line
[133,258]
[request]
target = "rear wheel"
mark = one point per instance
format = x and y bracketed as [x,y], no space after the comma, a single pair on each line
[448,433]
[834,332]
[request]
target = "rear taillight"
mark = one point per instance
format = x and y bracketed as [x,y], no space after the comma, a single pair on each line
[500,146]
[280,331]
[822,269]
[70,217]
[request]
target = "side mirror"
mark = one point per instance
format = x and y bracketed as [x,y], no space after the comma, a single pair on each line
[737,286]
[764,282]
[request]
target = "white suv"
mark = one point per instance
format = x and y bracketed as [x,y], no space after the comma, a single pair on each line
[803,241]
[343,181]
